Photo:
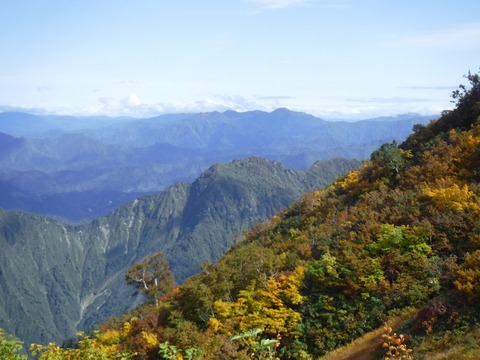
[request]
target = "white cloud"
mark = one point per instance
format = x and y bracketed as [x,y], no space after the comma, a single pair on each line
[129,106]
[463,36]
[134,100]
[281,4]
[214,103]
[352,108]
[393,100]
[135,107]
[278,4]
[442,88]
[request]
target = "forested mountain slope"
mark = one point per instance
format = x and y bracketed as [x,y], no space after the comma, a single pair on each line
[401,232]
[57,278]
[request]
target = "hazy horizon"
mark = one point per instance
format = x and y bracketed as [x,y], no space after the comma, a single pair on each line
[43,112]
[344,59]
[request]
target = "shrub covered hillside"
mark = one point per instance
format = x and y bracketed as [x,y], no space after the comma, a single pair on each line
[401,232]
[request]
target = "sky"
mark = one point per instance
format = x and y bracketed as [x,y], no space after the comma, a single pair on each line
[329,58]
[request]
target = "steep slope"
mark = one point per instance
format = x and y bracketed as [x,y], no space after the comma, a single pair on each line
[57,278]
[399,233]
[248,191]
[40,268]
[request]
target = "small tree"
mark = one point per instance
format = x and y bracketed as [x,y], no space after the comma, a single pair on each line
[390,157]
[467,109]
[152,276]
[468,97]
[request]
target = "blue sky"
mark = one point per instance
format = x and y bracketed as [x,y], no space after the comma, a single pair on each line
[330,58]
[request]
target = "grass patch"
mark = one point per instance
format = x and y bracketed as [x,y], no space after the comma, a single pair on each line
[458,344]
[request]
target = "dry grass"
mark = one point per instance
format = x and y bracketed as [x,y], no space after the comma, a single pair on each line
[452,346]
[365,347]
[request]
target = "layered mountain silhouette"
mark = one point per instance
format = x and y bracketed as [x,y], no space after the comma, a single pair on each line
[79,168]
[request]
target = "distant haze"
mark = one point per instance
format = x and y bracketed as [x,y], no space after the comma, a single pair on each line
[82,167]
[330,58]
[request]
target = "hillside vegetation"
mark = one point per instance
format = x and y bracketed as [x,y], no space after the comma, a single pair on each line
[56,279]
[399,233]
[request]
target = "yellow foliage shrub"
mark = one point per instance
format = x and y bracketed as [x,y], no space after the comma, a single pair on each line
[150,339]
[127,328]
[267,307]
[109,337]
[453,197]
[468,276]
[351,179]
[214,324]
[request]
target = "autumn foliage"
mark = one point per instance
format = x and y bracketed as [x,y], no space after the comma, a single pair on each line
[401,231]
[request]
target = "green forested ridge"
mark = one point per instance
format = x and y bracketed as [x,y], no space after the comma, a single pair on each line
[400,232]
[57,278]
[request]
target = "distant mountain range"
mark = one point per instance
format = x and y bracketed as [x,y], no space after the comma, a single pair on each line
[79,168]
[57,278]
